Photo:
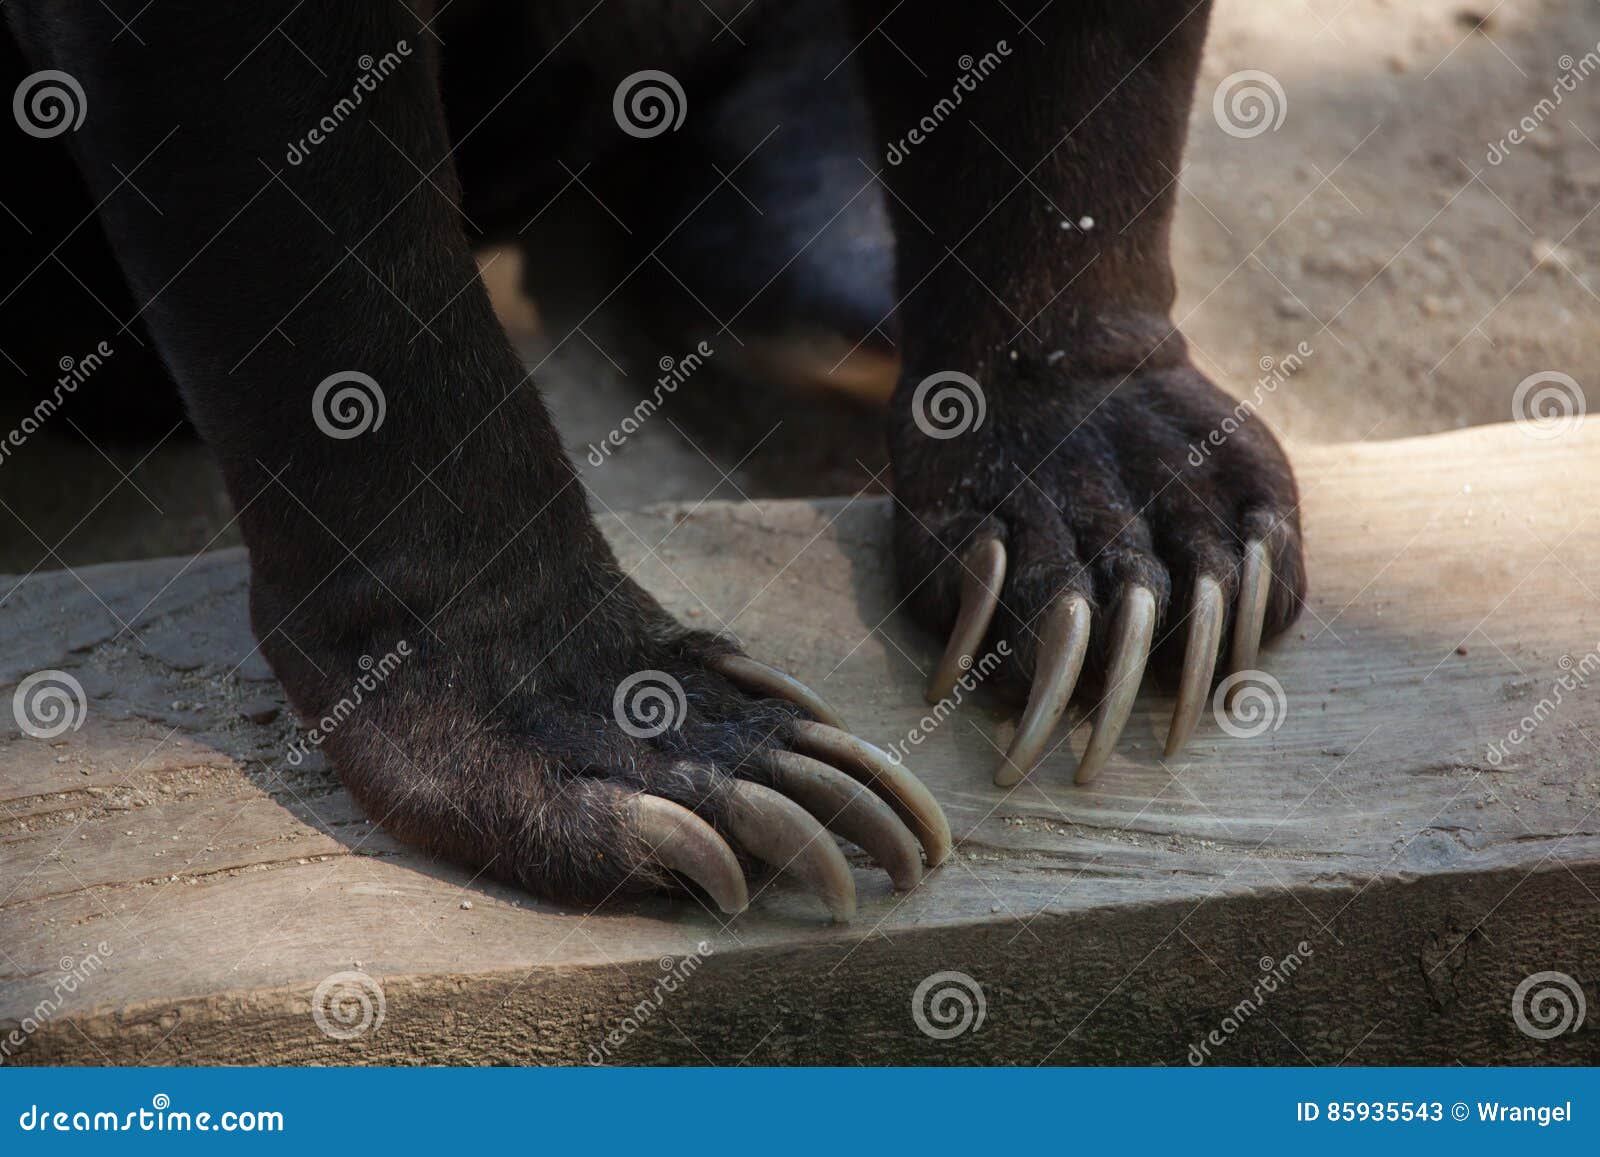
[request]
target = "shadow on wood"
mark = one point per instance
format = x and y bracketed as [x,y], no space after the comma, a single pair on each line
[1369,833]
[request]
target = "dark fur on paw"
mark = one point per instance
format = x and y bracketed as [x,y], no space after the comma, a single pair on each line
[1091,520]
[555,728]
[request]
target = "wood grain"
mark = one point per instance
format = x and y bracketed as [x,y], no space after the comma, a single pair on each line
[1453,590]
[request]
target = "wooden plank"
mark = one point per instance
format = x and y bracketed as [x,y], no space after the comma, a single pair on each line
[1451,598]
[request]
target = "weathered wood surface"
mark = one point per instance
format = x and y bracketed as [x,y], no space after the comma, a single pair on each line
[1453,588]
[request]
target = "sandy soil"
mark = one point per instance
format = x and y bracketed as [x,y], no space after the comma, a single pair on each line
[1370,224]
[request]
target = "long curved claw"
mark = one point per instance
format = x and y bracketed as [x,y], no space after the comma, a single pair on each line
[760,679]
[1136,626]
[1199,662]
[1055,677]
[682,842]
[904,792]
[1255,584]
[848,808]
[984,573]
[780,832]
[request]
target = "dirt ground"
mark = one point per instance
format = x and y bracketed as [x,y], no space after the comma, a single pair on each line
[1371,224]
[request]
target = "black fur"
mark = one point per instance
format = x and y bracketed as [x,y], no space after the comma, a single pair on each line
[1084,461]
[459,525]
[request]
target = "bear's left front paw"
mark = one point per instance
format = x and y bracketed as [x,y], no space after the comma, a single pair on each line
[1068,518]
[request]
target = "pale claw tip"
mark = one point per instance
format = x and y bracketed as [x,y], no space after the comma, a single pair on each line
[1199,662]
[760,679]
[851,809]
[682,842]
[1136,624]
[984,573]
[1255,584]
[903,791]
[1055,676]
[781,833]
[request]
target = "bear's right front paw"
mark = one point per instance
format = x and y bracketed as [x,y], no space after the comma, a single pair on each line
[1092,525]
[616,762]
